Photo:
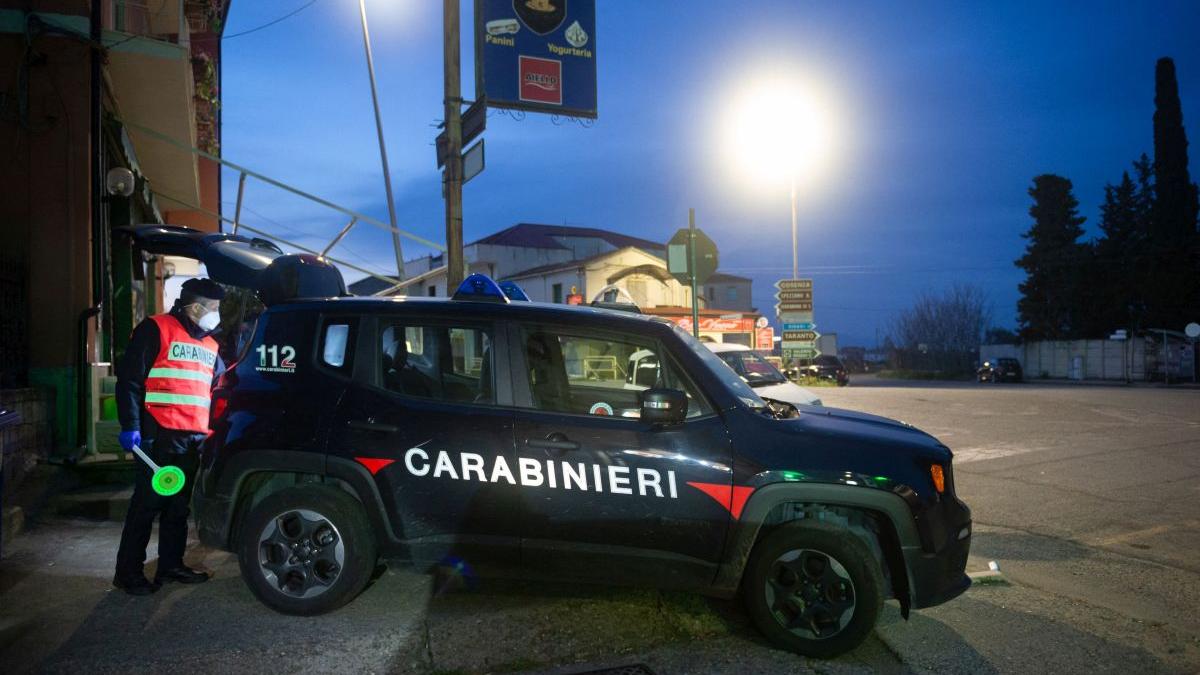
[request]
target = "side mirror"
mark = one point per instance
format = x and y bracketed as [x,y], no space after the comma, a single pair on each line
[664,406]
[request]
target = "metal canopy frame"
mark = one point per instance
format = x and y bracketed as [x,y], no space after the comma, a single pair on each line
[355,217]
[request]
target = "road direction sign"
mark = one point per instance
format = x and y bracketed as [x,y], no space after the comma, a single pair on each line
[790,307]
[679,256]
[473,122]
[473,161]
[794,353]
[799,325]
[794,296]
[800,335]
[794,284]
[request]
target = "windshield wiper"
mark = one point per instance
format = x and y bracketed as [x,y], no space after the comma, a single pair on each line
[764,383]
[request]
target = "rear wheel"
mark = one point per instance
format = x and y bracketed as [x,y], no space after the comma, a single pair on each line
[306,550]
[813,588]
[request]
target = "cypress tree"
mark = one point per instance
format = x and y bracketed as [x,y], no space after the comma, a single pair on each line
[1172,284]
[1050,307]
[1116,275]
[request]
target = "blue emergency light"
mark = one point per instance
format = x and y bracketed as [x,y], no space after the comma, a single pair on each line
[513,291]
[479,288]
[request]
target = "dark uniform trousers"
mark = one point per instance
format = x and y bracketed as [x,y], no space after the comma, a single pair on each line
[169,447]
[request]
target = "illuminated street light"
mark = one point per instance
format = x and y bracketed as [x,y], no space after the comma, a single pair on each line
[778,129]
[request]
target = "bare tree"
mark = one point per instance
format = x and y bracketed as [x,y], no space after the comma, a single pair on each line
[942,331]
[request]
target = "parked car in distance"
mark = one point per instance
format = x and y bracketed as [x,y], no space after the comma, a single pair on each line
[1004,369]
[766,380]
[827,367]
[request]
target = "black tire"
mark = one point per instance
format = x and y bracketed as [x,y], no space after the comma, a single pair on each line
[830,630]
[306,578]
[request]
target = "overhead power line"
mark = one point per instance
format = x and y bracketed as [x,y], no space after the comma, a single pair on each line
[290,14]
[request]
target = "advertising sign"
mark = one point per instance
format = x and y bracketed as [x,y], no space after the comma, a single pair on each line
[765,339]
[714,324]
[537,55]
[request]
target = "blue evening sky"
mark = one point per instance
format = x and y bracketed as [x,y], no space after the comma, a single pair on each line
[945,111]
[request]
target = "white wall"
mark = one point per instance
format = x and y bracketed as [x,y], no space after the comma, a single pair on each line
[1098,359]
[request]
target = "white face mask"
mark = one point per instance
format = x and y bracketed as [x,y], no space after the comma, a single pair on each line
[209,321]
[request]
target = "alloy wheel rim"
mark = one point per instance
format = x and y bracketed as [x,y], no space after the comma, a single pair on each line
[301,553]
[810,594]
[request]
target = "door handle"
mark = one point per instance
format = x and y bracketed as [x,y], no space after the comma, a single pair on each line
[553,443]
[368,425]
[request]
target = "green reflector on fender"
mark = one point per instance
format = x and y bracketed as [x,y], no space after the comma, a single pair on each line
[168,480]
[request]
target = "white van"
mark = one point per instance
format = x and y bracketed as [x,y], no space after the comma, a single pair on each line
[765,378]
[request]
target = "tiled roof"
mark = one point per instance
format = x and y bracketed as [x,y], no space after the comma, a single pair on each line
[533,235]
[558,266]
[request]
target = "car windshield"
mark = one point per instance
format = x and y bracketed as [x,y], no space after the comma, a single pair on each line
[757,370]
[722,370]
[825,360]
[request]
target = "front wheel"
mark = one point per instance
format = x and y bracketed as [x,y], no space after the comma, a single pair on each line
[813,588]
[306,550]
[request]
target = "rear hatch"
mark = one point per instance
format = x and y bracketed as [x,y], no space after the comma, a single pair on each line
[234,260]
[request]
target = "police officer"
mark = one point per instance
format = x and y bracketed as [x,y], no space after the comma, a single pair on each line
[164,387]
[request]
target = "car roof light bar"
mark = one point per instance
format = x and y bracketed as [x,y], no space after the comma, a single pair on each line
[513,291]
[479,288]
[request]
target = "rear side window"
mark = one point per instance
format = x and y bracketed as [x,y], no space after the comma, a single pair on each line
[445,363]
[336,348]
[337,335]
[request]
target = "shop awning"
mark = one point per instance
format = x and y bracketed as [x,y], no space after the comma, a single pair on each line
[153,87]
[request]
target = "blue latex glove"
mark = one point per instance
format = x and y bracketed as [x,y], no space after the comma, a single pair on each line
[128,439]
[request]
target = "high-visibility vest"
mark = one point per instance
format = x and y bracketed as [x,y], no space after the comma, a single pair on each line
[179,385]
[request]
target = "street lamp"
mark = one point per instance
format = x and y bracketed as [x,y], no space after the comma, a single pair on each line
[387,176]
[779,128]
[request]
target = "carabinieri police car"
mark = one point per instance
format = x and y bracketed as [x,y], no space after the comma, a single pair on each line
[570,443]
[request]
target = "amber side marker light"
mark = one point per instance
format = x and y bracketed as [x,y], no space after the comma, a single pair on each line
[939,477]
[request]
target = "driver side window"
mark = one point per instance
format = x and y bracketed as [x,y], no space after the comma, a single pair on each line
[603,376]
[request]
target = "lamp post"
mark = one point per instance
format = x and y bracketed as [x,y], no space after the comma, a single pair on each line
[779,130]
[387,176]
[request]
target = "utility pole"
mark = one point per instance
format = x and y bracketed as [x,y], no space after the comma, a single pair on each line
[452,177]
[387,176]
[692,269]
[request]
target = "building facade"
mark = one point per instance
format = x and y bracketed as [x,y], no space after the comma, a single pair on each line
[99,91]
[554,262]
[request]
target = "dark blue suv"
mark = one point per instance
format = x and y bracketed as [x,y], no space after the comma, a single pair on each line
[513,437]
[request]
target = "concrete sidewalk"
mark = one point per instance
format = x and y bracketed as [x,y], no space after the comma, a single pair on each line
[59,614]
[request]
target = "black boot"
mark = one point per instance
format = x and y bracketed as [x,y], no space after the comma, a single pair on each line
[135,585]
[182,574]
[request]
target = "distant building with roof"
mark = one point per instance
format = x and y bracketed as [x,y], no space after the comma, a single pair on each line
[553,262]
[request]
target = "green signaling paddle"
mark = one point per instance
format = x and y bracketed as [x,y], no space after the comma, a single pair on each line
[167,480]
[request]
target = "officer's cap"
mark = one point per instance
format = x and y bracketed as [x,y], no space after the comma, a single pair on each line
[196,290]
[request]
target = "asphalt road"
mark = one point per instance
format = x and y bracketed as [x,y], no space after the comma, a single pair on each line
[1087,497]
